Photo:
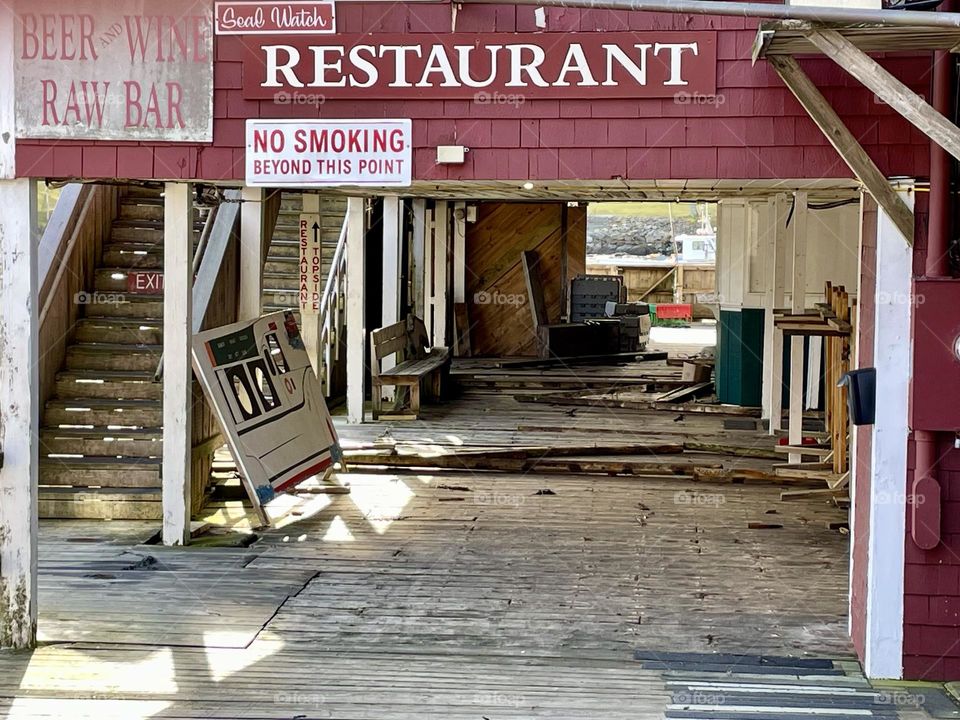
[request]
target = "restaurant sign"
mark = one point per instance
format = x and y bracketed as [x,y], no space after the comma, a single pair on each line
[93,70]
[300,17]
[465,65]
[319,153]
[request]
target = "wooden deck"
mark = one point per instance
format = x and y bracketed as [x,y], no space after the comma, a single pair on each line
[461,595]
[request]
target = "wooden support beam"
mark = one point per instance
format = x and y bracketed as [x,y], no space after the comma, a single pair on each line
[19,413]
[356,309]
[845,143]
[417,257]
[892,91]
[177,373]
[798,295]
[441,280]
[776,289]
[8,131]
[459,252]
[252,238]
[392,249]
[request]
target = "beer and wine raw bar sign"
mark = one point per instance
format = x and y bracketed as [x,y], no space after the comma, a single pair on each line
[95,70]
[317,153]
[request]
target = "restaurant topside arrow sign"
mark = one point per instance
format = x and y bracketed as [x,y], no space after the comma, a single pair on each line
[464,65]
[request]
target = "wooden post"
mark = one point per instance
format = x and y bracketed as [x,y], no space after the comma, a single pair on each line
[441,252]
[392,250]
[356,308]
[251,253]
[8,130]
[19,412]
[798,294]
[177,372]
[565,263]
[777,210]
[417,257]
[829,376]
[460,252]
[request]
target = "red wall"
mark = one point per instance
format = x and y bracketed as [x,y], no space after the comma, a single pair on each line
[759,131]
[931,607]
[931,632]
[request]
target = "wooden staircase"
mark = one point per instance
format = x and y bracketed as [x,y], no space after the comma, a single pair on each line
[101,434]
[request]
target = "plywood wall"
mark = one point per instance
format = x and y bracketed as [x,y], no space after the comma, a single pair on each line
[498,307]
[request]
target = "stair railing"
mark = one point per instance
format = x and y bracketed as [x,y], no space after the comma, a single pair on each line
[68,255]
[330,320]
[208,258]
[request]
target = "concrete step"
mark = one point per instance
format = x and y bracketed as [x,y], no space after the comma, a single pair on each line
[123,305]
[124,331]
[103,413]
[100,503]
[108,384]
[102,472]
[147,443]
[113,356]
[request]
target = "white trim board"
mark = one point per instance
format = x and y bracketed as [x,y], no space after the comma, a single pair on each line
[893,359]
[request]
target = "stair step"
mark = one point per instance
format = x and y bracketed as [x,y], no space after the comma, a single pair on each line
[141,209]
[282,281]
[113,356]
[130,231]
[290,234]
[123,305]
[108,384]
[280,298]
[141,443]
[127,256]
[96,504]
[123,331]
[144,191]
[103,413]
[102,472]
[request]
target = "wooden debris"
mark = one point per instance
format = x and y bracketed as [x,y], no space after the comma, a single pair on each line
[718,449]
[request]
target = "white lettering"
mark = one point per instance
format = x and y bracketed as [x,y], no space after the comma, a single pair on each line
[576,61]
[637,71]
[275,69]
[676,55]
[518,67]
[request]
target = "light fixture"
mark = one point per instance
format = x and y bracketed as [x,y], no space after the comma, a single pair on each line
[451,154]
[528,185]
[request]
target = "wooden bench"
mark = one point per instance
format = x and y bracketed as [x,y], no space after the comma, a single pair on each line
[408,341]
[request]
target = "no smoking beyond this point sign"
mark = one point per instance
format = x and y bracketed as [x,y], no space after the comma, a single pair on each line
[319,153]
